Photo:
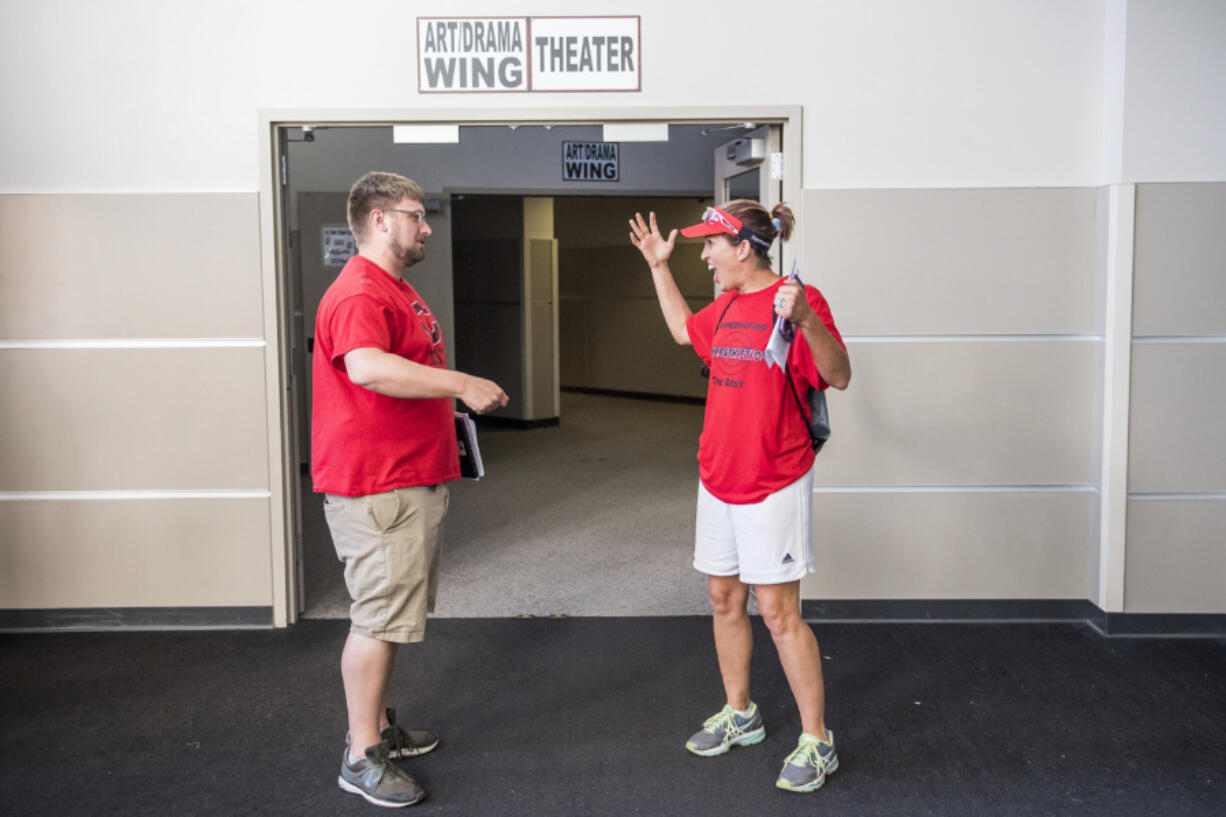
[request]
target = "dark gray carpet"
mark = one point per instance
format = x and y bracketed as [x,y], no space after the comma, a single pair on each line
[588,717]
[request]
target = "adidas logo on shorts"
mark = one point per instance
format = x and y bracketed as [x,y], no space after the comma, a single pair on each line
[787,559]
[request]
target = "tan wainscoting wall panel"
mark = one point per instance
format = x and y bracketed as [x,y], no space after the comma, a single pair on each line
[963,413]
[133,419]
[1177,427]
[1180,259]
[631,350]
[134,553]
[612,333]
[574,348]
[1176,557]
[619,272]
[954,261]
[1024,545]
[181,265]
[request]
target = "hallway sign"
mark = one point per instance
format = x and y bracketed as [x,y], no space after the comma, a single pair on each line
[527,54]
[590,162]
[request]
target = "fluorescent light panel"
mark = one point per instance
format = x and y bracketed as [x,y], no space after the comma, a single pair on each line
[636,132]
[426,134]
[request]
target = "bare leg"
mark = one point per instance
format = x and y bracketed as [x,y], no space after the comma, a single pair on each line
[798,652]
[733,636]
[387,694]
[366,667]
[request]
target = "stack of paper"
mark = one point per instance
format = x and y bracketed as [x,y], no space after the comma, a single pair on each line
[470,454]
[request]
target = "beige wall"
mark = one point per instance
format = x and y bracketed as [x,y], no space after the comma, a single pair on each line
[1053,101]
[1176,553]
[950,544]
[175,551]
[962,463]
[133,431]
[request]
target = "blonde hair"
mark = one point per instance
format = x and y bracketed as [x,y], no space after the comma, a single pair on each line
[376,191]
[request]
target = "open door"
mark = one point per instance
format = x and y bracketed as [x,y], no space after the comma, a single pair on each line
[751,167]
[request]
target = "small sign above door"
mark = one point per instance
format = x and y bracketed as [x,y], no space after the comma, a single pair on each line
[590,162]
[501,54]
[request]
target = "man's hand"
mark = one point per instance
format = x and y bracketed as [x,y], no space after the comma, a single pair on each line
[791,304]
[482,395]
[655,248]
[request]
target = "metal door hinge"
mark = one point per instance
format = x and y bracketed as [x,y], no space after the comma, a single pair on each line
[776,167]
[284,170]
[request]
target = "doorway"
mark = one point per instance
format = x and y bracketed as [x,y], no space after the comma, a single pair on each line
[602,390]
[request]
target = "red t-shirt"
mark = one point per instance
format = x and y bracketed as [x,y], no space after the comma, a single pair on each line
[755,440]
[366,443]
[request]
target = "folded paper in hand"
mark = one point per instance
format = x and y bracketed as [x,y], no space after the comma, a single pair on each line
[466,439]
[776,353]
[785,331]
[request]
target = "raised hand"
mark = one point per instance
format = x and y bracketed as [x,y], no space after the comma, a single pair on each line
[646,237]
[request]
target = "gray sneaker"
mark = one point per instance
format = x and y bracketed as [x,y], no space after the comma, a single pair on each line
[726,729]
[379,780]
[406,742]
[806,768]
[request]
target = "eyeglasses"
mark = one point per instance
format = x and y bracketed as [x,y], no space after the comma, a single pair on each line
[734,227]
[419,215]
[713,216]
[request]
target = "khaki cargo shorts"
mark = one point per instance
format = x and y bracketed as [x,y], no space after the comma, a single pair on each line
[390,544]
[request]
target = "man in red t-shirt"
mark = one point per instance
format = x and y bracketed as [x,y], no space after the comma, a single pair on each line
[382,448]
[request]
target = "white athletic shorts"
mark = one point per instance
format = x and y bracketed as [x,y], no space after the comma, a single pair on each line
[768,542]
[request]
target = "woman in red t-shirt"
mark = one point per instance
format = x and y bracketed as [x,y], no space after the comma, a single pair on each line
[755,481]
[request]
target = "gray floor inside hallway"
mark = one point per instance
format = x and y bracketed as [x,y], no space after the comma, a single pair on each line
[593,517]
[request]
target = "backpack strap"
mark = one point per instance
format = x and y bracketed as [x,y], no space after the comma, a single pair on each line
[814,441]
[705,370]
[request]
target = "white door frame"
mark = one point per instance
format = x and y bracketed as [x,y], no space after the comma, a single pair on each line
[282,465]
[769,190]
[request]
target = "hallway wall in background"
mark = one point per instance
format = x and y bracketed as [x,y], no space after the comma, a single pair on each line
[975,178]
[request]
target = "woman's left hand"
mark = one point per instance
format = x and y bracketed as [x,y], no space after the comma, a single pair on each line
[790,303]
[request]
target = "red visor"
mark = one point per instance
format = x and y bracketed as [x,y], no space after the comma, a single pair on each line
[714,221]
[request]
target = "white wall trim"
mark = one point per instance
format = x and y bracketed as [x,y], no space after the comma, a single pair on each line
[135,343]
[976,338]
[280,470]
[75,496]
[1175,496]
[1144,340]
[956,489]
[1117,386]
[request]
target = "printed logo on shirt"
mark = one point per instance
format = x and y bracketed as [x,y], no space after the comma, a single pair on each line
[435,332]
[787,559]
[734,352]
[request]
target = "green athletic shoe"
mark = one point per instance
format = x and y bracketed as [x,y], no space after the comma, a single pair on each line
[402,743]
[406,742]
[377,779]
[726,729]
[806,768]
